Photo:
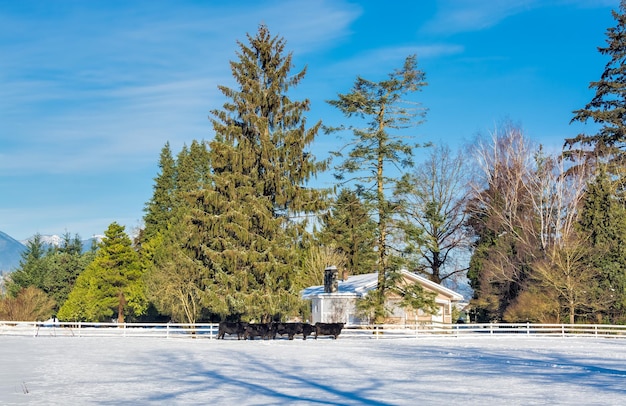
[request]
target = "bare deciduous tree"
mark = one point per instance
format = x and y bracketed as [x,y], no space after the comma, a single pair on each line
[30,304]
[528,206]
[501,213]
[434,198]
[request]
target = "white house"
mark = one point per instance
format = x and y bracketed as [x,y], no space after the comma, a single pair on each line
[335,301]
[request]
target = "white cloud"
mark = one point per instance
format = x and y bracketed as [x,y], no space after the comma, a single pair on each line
[385,60]
[458,16]
[89,88]
[455,16]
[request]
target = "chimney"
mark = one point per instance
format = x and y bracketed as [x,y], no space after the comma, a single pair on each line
[330,279]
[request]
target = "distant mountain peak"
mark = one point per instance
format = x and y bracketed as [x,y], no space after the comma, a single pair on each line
[10,252]
[52,240]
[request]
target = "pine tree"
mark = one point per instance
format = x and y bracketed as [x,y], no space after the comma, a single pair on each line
[169,277]
[193,171]
[244,224]
[31,270]
[111,285]
[608,106]
[349,229]
[159,209]
[603,219]
[374,148]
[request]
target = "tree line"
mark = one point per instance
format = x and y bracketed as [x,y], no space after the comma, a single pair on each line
[235,228]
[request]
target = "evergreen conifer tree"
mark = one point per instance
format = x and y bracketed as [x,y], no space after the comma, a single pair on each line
[603,219]
[31,271]
[63,266]
[608,106]
[244,228]
[193,171]
[53,271]
[174,280]
[111,285]
[384,107]
[349,229]
[159,209]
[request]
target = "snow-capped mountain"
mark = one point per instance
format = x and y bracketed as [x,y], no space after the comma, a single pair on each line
[48,240]
[57,241]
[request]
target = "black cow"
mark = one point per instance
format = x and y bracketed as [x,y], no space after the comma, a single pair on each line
[263,330]
[328,329]
[227,327]
[307,330]
[291,329]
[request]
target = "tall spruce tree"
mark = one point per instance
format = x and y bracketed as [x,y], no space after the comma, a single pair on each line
[373,148]
[244,224]
[608,106]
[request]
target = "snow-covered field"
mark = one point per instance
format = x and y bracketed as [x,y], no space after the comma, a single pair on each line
[510,370]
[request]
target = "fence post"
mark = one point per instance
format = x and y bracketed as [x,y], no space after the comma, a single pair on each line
[167,330]
[490,328]
[527,327]
[79,326]
[124,329]
[562,330]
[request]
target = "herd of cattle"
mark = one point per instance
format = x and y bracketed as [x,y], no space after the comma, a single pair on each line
[267,331]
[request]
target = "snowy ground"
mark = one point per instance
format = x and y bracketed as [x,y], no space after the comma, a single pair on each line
[511,370]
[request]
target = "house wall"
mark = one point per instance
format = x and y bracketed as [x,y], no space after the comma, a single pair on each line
[341,307]
[329,308]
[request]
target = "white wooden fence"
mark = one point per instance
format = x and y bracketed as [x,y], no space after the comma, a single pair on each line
[380,331]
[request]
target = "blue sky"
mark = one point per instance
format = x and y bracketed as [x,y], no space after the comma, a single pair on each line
[90,91]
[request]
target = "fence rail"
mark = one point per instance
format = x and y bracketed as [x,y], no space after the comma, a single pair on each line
[378,331]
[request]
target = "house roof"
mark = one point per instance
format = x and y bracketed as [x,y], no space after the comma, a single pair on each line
[359,285]
[356,285]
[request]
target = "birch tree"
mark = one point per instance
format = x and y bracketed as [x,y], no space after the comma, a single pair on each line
[502,216]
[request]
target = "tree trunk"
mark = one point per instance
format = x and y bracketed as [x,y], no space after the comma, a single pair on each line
[382,220]
[120,307]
